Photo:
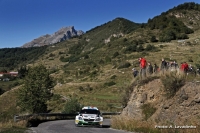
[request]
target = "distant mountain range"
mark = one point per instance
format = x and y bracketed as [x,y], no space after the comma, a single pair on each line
[59,36]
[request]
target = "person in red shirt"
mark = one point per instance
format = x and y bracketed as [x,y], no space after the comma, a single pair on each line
[143,64]
[184,67]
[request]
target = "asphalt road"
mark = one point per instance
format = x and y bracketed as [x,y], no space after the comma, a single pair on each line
[67,126]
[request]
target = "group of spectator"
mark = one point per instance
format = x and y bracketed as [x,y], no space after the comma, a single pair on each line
[146,68]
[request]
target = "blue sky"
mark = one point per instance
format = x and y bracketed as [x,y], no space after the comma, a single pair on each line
[21,21]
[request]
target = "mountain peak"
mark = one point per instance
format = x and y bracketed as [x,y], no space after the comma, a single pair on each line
[63,34]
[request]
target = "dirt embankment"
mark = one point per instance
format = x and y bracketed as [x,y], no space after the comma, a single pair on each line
[182,109]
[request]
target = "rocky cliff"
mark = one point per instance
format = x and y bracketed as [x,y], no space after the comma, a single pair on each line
[59,36]
[182,109]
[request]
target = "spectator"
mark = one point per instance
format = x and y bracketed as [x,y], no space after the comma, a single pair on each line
[191,70]
[163,65]
[184,67]
[135,72]
[143,64]
[155,68]
[149,68]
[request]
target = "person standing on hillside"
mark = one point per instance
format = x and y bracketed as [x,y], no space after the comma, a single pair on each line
[184,67]
[163,65]
[149,68]
[135,72]
[143,64]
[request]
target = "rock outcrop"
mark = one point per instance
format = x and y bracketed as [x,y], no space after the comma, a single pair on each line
[183,108]
[59,36]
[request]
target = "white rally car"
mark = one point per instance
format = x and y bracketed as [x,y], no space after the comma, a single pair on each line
[89,116]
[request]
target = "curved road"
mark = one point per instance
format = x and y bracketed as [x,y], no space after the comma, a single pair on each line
[67,126]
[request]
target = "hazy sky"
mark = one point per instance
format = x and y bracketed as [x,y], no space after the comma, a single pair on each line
[21,21]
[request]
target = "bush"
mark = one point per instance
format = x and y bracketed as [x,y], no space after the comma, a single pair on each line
[111,83]
[124,65]
[150,47]
[81,88]
[72,106]
[113,77]
[51,55]
[115,54]
[172,83]
[69,59]
[131,48]
[140,48]
[101,62]
[148,110]
[86,56]
[107,59]
[93,73]
[153,39]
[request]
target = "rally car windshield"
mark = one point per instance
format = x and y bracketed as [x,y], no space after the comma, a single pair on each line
[89,111]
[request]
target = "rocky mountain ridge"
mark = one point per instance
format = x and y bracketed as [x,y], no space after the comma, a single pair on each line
[63,34]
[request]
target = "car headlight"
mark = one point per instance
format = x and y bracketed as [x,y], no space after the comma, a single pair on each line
[98,119]
[80,118]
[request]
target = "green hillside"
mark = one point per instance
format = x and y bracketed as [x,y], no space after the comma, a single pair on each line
[96,67]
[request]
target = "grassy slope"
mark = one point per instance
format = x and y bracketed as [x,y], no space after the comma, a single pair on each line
[86,78]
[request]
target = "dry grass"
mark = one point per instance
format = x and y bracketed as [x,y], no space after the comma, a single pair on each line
[12,127]
[129,124]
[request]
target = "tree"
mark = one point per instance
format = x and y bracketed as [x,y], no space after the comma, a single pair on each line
[36,90]
[3,70]
[22,71]
[153,39]
[72,106]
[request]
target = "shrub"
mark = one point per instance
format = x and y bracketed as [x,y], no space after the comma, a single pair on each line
[69,59]
[131,48]
[72,106]
[93,73]
[86,56]
[107,59]
[51,55]
[61,53]
[115,54]
[81,88]
[125,39]
[190,60]
[140,48]
[150,47]
[101,62]
[172,83]
[109,83]
[148,110]
[113,77]
[124,65]
[153,39]
[197,65]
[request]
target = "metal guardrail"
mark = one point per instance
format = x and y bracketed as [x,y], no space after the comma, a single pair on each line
[60,115]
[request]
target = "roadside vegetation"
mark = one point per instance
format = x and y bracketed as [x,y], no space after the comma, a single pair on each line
[129,124]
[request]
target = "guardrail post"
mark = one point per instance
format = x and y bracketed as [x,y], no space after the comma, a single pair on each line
[15,118]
